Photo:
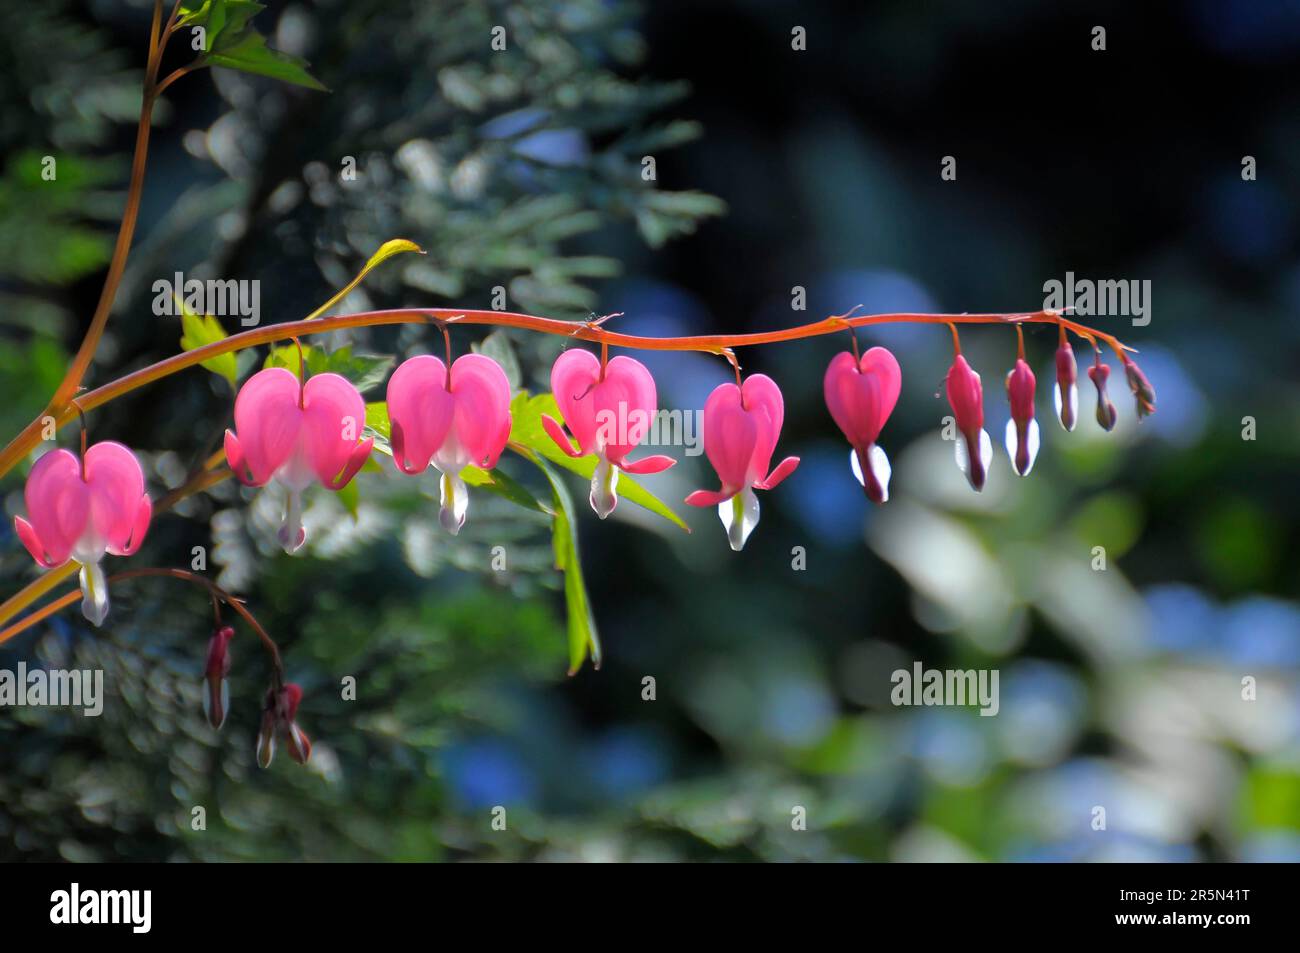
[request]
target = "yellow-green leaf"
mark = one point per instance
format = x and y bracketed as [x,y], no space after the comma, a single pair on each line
[387,250]
[197,331]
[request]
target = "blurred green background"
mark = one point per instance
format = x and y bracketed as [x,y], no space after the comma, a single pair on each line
[776,168]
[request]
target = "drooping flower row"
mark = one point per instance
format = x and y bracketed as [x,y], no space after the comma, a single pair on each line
[298,432]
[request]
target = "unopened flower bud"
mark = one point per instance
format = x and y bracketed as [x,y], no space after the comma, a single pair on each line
[1067,388]
[1141,388]
[1107,416]
[279,724]
[216,687]
[1022,428]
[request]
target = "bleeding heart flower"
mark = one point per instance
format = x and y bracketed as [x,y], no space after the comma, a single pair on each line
[973,449]
[297,435]
[278,723]
[216,689]
[454,419]
[608,411]
[1022,428]
[1107,415]
[1067,388]
[84,508]
[861,395]
[741,427]
[1140,386]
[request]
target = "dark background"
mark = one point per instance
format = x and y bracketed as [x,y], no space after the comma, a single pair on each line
[1120,688]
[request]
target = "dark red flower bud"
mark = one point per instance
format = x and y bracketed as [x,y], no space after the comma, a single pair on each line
[1107,416]
[1067,388]
[279,714]
[1141,388]
[216,688]
[1022,429]
[974,450]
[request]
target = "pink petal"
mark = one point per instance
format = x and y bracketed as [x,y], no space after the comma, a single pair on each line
[653,464]
[764,404]
[783,470]
[116,487]
[729,435]
[421,411]
[709,497]
[481,393]
[140,526]
[58,504]
[625,404]
[861,396]
[34,545]
[267,422]
[573,378]
[965,395]
[356,461]
[556,432]
[238,465]
[333,419]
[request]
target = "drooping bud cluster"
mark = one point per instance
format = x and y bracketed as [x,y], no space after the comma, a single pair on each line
[280,725]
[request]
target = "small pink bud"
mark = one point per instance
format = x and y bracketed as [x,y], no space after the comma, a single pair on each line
[1141,388]
[974,449]
[1067,388]
[1107,416]
[1022,429]
[216,687]
[742,425]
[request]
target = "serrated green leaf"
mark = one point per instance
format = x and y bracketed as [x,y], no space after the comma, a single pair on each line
[526,430]
[395,246]
[250,54]
[197,331]
[498,347]
[583,639]
[365,371]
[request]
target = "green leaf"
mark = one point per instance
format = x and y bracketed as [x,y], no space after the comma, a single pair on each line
[365,371]
[250,54]
[502,484]
[387,250]
[223,21]
[498,347]
[350,497]
[197,331]
[526,430]
[583,639]
[377,419]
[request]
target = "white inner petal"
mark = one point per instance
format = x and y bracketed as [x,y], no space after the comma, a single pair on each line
[604,484]
[1073,396]
[739,515]
[455,503]
[94,593]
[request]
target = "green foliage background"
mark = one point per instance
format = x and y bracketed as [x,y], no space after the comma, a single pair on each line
[523,170]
